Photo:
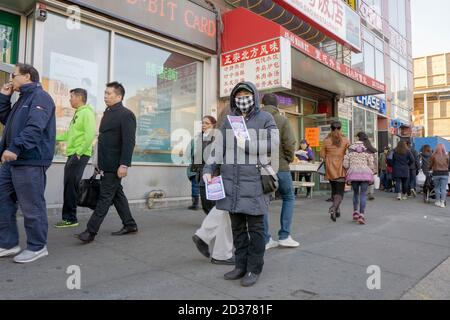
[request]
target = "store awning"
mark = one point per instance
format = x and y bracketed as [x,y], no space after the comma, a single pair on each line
[243,28]
[22,6]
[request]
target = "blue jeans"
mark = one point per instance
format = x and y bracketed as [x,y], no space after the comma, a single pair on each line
[359,195]
[440,186]
[383,179]
[195,189]
[412,179]
[287,211]
[23,186]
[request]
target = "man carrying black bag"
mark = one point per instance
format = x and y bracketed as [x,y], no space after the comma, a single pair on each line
[116,143]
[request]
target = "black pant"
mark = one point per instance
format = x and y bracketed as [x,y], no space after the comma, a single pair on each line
[404,183]
[73,172]
[337,188]
[249,242]
[111,192]
[207,205]
[307,177]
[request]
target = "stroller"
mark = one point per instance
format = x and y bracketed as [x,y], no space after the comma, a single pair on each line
[428,189]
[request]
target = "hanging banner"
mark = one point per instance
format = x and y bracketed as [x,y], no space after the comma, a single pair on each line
[266,64]
[312,136]
[334,18]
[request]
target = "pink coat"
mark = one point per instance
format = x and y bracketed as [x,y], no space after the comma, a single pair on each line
[359,164]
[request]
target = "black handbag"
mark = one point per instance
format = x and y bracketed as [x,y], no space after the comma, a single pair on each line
[89,192]
[269,179]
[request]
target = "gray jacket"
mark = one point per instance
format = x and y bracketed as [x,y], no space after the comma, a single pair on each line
[242,182]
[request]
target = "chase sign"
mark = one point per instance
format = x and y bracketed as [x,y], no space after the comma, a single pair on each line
[372,102]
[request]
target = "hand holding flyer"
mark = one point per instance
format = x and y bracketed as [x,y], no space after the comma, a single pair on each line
[215,190]
[239,127]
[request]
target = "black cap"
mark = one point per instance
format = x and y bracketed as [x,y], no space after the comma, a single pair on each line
[243,86]
[336,125]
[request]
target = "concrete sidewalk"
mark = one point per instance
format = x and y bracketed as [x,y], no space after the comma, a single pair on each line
[408,240]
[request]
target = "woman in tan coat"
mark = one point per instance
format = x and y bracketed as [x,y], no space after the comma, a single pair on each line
[333,152]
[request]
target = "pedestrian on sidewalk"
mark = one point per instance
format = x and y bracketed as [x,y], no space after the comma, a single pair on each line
[216,227]
[359,163]
[425,158]
[286,156]
[116,143]
[413,170]
[439,164]
[382,165]
[333,152]
[305,153]
[27,148]
[362,136]
[199,154]
[79,137]
[401,161]
[245,199]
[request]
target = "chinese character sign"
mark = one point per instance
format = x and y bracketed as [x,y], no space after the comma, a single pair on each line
[267,65]
[333,17]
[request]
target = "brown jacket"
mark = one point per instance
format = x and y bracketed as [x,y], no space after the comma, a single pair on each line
[334,158]
[439,164]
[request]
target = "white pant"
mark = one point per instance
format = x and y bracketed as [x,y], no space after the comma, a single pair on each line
[217,225]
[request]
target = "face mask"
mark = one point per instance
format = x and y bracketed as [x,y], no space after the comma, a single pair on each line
[244,103]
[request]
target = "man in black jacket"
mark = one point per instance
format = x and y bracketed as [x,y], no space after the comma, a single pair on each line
[116,143]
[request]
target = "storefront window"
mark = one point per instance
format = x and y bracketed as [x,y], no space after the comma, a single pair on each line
[164,90]
[399,85]
[397,15]
[71,60]
[359,121]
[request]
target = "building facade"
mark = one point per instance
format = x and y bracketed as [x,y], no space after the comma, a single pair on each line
[432,95]
[346,60]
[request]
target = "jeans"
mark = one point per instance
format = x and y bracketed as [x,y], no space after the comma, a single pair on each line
[412,179]
[404,183]
[195,189]
[359,195]
[73,172]
[25,186]
[287,210]
[111,192]
[383,179]
[248,240]
[440,186]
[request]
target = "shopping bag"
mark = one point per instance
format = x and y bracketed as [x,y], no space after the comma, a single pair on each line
[89,192]
[420,179]
[377,182]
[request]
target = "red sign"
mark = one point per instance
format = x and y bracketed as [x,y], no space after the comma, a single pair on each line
[257,51]
[323,58]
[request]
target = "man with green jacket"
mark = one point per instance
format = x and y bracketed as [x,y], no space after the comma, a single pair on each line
[79,138]
[287,154]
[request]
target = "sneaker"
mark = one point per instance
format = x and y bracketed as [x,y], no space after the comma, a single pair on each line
[9,252]
[271,244]
[404,197]
[355,216]
[288,243]
[399,196]
[438,204]
[414,193]
[27,256]
[443,204]
[66,224]
[361,220]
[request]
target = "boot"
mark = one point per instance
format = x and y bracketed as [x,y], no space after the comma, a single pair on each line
[332,210]
[337,200]
[195,204]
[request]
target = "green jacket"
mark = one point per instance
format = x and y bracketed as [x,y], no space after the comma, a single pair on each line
[287,138]
[81,133]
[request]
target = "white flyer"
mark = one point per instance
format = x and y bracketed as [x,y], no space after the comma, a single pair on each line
[215,190]
[239,127]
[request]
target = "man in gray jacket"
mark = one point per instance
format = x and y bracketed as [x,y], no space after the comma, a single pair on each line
[286,155]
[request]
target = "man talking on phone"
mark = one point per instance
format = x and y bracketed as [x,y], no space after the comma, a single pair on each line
[27,148]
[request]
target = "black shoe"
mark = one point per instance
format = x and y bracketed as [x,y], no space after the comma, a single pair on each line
[124,231]
[250,279]
[228,262]
[86,236]
[332,213]
[235,274]
[195,204]
[338,213]
[202,246]
[329,200]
